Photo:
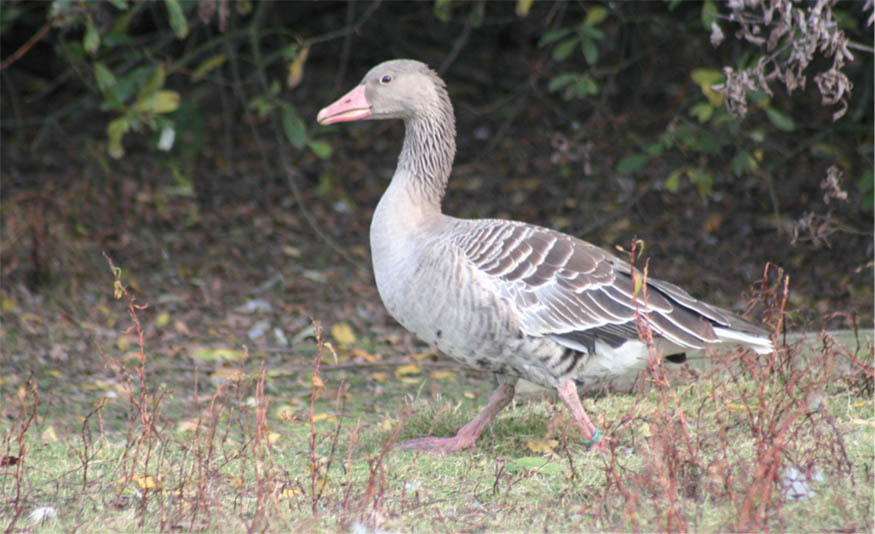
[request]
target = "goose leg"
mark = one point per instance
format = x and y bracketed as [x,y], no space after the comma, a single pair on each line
[469,433]
[568,393]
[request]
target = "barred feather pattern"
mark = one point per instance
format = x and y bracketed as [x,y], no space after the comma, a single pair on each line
[513,298]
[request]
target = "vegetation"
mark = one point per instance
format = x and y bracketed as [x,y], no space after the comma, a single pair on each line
[190,338]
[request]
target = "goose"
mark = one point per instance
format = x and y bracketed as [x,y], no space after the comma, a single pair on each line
[519,300]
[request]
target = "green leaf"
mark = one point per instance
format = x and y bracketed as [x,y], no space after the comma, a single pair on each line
[207,65]
[119,4]
[91,40]
[709,14]
[590,50]
[177,18]
[321,148]
[596,15]
[104,77]
[654,150]
[779,120]
[561,80]
[553,36]
[673,182]
[153,83]
[158,102]
[702,111]
[743,162]
[703,181]
[586,86]
[441,10]
[115,130]
[564,49]
[632,163]
[294,127]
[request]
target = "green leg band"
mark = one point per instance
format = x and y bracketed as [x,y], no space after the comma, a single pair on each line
[595,439]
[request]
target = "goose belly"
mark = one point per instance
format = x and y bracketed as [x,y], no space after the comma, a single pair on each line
[444,305]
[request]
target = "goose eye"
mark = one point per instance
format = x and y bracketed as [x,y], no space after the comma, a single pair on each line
[386,79]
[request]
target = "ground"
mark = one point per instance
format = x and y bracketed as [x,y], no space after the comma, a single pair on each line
[233,278]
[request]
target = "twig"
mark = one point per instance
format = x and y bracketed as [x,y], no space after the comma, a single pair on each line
[463,37]
[26,46]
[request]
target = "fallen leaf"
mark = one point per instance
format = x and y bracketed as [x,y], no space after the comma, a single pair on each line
[49,435]
[217,354]
[443,375]
[342,333]
[407,370]
[162,320]
[542,446]
[379,377]
[365,355]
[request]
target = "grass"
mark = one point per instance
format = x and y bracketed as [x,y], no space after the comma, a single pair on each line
[241,447]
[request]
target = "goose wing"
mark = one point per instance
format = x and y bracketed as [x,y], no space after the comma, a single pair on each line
[577,293]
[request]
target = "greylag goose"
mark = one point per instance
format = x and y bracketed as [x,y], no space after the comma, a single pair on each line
[512,298]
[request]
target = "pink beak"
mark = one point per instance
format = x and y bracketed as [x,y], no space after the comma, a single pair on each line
[350,107]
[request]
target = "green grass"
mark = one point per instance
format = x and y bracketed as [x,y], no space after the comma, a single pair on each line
[147,444]
[246,468]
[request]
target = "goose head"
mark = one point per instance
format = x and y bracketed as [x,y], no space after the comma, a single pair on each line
[396,89]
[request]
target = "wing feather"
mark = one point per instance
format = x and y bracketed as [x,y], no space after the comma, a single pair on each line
[567,289]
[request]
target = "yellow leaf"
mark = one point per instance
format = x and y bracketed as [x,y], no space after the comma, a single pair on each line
[342,333]
[540,446]
[523,7]
[48,435]
[145,482]
[162,320]
[122,343]
[407,370]
[115,130]
[443,375]
[705,79]
[860,404]
[387,424]
[296,68]
[131,355]
[273,437]
[379,377]
[290,492]
[469,395]
[237,482]
[54,372]
[163,101]
[323,417]
[8,304]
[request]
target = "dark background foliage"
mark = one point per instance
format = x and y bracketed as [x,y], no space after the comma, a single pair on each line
[615,136]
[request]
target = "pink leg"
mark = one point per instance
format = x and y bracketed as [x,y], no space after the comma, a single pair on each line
[469,433]
[568,394]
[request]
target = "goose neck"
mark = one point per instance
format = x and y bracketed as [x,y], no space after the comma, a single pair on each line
[427,154]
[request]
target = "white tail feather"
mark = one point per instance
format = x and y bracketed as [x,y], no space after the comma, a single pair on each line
[759,344]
